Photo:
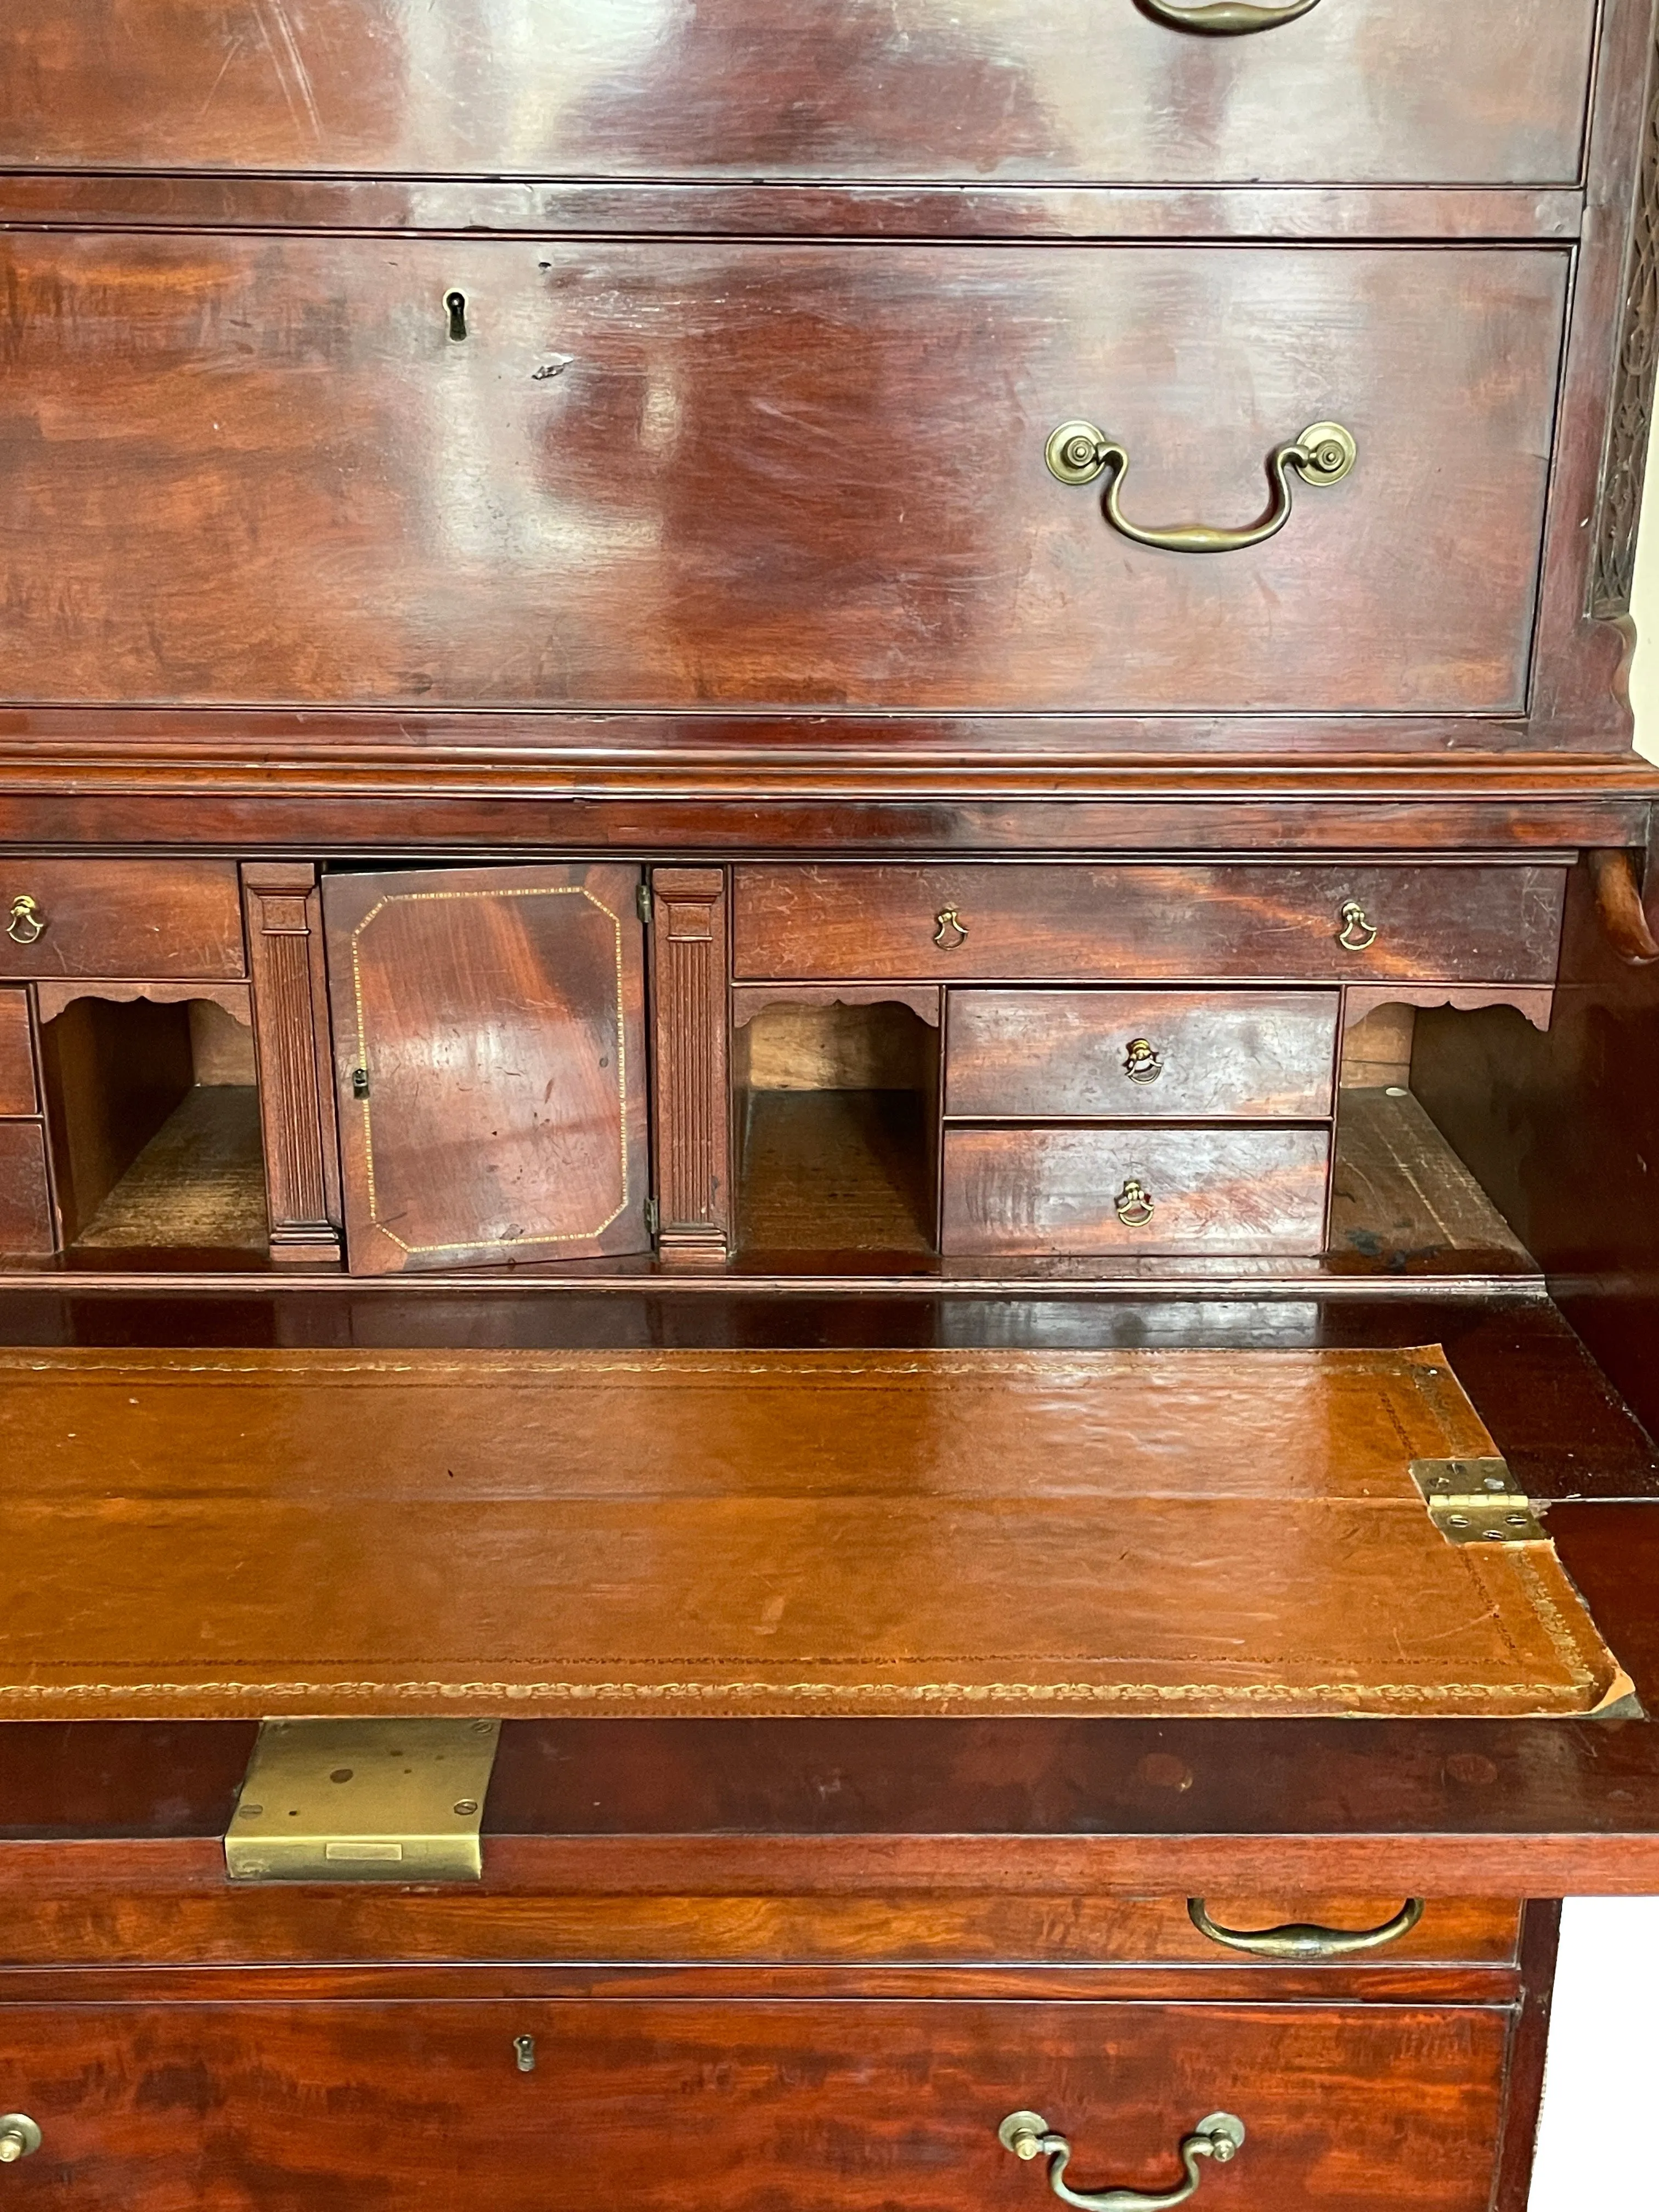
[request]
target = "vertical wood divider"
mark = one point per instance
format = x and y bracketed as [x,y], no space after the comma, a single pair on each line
[282,906]
[690,994]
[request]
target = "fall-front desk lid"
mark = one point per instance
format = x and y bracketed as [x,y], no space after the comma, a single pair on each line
[749,1533]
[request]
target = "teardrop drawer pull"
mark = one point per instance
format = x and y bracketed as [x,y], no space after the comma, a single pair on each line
[1135,1204]
[1141,1060]
[25,923]
[1357,931]
[950,930]
[1078,453]
[19,2137]
[1226,18]
[1300,1939]
[1027,2135]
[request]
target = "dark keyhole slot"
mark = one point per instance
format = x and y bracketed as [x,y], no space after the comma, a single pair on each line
[456,303]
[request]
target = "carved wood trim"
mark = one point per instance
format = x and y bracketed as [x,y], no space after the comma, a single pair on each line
[52,994]
[1629,413]
[283,910]
[1535,1000]
[1619,907]
[690,970]
[924,1000]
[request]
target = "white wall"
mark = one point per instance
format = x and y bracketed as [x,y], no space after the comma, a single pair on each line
[1604,2036]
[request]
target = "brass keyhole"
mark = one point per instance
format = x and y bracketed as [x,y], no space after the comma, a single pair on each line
[26,923]
[1357,931]
[950,930]
[1141,1062]
[1135,1205]
[456,303]
[524,2053]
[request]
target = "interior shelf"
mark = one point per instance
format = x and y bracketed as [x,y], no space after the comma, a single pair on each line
[198,1184]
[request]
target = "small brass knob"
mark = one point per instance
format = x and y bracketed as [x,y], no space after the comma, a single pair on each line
[1135,1205]
[19,2137]
[1357,931]
[950,930]
[26,923]
[1141,1061]
[1022,2134]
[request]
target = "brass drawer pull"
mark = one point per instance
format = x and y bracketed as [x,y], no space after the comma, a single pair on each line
[1226,18]
[19,2137]
[1300,1939]
[26,923]
[1135,1205]
[952,930]
[1078,453]
[1357,931]
[1026,2133]
[1141,1062]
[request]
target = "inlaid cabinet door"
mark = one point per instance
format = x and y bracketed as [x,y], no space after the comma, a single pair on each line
[490,1049]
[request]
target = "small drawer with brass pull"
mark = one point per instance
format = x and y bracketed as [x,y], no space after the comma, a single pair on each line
[153,920]
[1132,1189]
[1140,1055]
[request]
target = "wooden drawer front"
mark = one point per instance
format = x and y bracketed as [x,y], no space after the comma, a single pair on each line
[1027,1190]
[1487,924]
[695,2107]
[26,1222]
[1049,1055]
[142,921]
[756,475]
[17,1091]
[1411,91]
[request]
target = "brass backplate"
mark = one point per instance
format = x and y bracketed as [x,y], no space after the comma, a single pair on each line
[364,1800]
[1477,1501]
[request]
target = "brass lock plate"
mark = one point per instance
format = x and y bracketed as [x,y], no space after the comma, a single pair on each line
[1477,1501]
[364,1800]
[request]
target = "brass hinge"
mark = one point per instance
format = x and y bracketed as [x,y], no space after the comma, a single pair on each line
[652,1217]
[642,902]
[1477,1501]
[364,1800]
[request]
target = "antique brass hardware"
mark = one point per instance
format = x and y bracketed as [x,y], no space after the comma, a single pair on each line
[952,930]
[1141,1063]
[360,1083]
[1078,453]
[1357,931]
[1301,1939]
[1135,1204]
[1477,1501]
[364,1800]
[524,2053]
[1027,2135]
[1226,18]
[455,305]
[26,923]
[19,2137]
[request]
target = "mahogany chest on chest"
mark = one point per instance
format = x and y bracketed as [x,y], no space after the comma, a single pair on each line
[829,1046]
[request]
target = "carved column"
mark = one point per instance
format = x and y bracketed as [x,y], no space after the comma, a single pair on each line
[283,910]
[689,1002]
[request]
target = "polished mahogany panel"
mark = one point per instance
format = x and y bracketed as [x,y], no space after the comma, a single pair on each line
[489,1047]
[18,1094]
[700,2107]
[152,920]
[1140,1055]
[258,470]
[26,1217]
[979,921]
[1125,1190]
[1409,91]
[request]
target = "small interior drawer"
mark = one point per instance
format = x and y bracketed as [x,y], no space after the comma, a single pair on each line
[26,1222]
[1140,1056]
[18,1094]
[142,921]
[1134,1189]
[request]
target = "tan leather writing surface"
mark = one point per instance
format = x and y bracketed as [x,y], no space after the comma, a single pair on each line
[752,1532]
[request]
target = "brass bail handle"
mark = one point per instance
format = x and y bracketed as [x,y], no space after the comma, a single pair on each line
[1301,1939]
[26,923]
[1141,1060]
[1135,1205]
[1357,931]
[1226,18]
[950,930]
[1078,453]
[1028,2136]
[19,2137]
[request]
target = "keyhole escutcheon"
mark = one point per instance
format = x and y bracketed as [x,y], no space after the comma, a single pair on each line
[455,303]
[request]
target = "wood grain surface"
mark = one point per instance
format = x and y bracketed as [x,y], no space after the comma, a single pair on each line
[1403,90]
[1250,1056]
[25,1215]
[491,1058]
[260,470]
[18,1094]
[1038,1190]
[815,1533]
[124,918]
[1146,921]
